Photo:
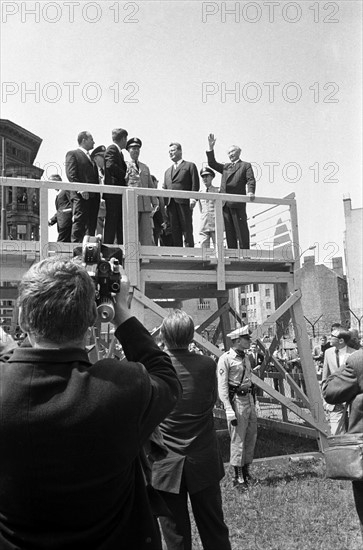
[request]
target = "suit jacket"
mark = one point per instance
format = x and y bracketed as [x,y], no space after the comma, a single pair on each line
[71,433]
[346,385]
[188,431]
[255,362]
[141,178]
[330,365]
[115,169]
[184,178]
[238,179]
[79,168]
[63,204]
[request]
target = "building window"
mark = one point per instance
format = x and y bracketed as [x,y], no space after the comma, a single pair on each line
[268,305]
[254,299]
[21,232]
[243,301]
[244,314]
[204,304]
[267,292]
[243,288]
[255,288]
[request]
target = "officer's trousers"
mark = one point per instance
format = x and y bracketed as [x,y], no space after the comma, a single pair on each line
[244,435]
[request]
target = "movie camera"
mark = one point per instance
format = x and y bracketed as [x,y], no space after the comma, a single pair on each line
[103,262]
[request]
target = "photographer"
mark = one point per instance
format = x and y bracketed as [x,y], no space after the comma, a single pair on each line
[71,431]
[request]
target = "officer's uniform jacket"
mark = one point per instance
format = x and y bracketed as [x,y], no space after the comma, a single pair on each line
[207,210]
[141,178]
[232,369]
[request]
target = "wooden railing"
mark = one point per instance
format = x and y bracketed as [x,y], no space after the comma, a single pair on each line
[261,248]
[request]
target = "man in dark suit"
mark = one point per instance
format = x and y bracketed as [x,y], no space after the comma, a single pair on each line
[193,465]
[81,168]
[71,431]
[181,176]
[63,215]
[237,178]
[115,173]
[346,385]
[335,357]
[256,360]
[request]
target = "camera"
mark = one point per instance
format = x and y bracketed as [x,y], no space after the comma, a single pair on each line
[103,265]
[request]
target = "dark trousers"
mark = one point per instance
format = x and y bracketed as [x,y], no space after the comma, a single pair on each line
[236,227]
[84,212]
[64,227]
[358,499]
[181,223]
[113,220]
[93,207]
[208,515]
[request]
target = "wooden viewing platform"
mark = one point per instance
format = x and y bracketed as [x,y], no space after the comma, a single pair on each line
[159,273]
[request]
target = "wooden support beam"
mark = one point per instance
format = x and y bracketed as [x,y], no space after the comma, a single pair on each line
[291,382]
[225,321]
[309,372]
[258,333]
[162,313]
[235,315]
[308,417]
[212,318]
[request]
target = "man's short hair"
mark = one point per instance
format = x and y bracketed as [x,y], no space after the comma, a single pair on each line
[342,333]
[176,144]
[81,136]
[335,326]
[57,301]
[177,329]
[55,177]
[118,134]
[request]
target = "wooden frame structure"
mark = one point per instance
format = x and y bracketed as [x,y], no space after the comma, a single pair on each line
[183,273]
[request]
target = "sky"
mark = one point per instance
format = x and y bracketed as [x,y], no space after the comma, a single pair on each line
[280,79]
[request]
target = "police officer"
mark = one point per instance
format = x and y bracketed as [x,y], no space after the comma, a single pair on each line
[235,392]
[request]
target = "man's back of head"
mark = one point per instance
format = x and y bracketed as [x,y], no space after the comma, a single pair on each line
[56,302]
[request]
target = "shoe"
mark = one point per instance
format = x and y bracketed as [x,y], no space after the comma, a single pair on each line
[248,479]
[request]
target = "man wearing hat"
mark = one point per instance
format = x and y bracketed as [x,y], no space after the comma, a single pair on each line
[138,175]
[98,157]
[235,392]
[207,230]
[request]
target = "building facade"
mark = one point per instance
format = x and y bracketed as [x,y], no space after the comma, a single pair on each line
[18,149]
[19,210]
[353,246]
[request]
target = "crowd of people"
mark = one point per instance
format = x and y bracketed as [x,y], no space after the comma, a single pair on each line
[106,453]
[165,222]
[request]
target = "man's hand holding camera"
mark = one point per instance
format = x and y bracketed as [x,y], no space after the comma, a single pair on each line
[122,300]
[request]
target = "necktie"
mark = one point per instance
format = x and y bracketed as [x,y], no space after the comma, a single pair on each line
[137,166]
[337,357]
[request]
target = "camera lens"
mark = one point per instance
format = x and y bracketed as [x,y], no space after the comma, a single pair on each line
[104,267]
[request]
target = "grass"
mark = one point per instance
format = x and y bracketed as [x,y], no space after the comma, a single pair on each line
[291,508]
[269,443]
